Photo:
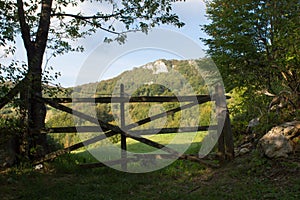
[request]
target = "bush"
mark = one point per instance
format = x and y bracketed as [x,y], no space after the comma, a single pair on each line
[12,129]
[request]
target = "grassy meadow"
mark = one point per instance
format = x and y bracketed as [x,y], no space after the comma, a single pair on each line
[247,177]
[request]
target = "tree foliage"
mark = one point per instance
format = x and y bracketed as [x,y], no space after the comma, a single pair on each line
[52,25]
[59,21]
[256,43]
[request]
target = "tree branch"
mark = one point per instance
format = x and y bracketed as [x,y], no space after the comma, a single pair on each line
[86,17]
[93,17]
[25,30]
[99,26]
[110,31]
[44,24]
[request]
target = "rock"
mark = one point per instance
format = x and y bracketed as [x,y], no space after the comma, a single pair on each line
[38,167]
[291,129]
[247,145]
[278,141]
[275,145]
[288,130]
[244,151]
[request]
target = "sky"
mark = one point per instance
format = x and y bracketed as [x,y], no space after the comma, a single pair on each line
[191,12]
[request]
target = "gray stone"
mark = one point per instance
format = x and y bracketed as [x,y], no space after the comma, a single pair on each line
[244,151]
[276,142]
[288,130]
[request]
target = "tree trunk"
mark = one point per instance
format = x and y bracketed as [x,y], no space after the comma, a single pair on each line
[37,141]
[34,141]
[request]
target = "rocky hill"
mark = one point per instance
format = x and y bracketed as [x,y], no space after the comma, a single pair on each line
[183,77]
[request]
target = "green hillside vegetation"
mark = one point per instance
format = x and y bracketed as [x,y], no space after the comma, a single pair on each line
[146,79]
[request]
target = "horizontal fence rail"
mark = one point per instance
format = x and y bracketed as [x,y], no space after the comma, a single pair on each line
[143,99]
[91,129]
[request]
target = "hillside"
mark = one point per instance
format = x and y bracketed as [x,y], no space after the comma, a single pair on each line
[176,75]
[158,78]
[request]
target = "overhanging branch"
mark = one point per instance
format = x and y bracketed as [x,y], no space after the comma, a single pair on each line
[95,17]
[86,17]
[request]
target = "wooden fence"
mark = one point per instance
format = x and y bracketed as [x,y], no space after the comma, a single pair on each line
[225,142]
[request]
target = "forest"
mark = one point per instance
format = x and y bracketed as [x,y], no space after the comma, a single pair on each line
[250,126]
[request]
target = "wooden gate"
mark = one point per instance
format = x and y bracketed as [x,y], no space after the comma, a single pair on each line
[225,142]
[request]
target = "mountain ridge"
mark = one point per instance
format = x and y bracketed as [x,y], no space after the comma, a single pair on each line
[180,76]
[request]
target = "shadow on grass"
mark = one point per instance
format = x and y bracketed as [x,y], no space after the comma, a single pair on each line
[244,178]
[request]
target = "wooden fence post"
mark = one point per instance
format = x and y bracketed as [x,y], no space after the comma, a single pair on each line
[228,136]
[225,141]
[123,137]
[220,118]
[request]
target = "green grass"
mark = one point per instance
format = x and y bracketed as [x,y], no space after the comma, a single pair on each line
[165,139]
[247,177]
[109,152]
[64,180]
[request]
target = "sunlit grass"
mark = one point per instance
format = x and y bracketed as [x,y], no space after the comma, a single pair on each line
[181,142]
[166,139]
[244,178]
[189,143]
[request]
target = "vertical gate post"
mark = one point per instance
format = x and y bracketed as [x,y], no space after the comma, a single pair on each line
[228,136]
[220,119]
[225,141]
[123,137]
